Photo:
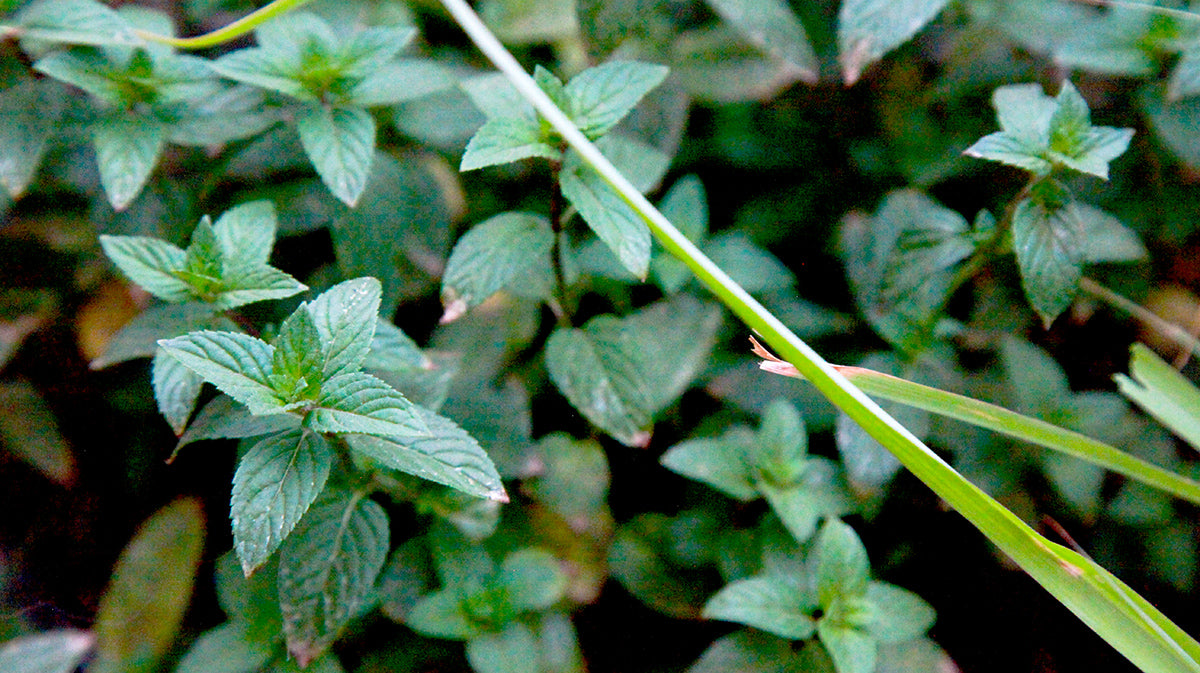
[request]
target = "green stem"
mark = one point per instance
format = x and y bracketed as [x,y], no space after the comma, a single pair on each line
[1122,617]
[226,33]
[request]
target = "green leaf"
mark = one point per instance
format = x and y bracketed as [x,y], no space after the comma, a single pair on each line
[774,27]
[327,570]
[150,263]
[600,97]
[489,256]
[297,363]
[58,651]
[722,462]
[513,650]
[176,389]
[250,601]
[640,559]
[74,22]
[237,364]
[800,505]
[1047,237]
[393,350]
[445,454]
[533,579]
[241,285]
[441,614]
[31,111]
[139,337]
[899,614]
[752,267]
[620,372]
[340,141]
[345,316]
[607,213]
[852,650]
[127,149]
[575,480]
[260,68]
[1185,76]
[29,430]
[358,402]
[246,233]
[1107,239]
[773,604]
[276,481]
[228,648]
[149,591]
[223,418]
[868,29]
[502,140]
[752,651]
[1164,393]
[1077,144]
[399,81]
[842,566]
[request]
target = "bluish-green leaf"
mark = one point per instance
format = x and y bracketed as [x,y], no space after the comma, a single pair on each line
[721,462]
[1185,76]
[852,650]
[223,418]
[898,614]
[533,579]
[74,22]
[340,141]
[1047,239]
[600,97]
[276,481]
[241,285]
[441,614]
[231,647]
[127,149]
[139,337]
[843,570]
[246,233]
[399,81]
[490,255]
[774,27]
[868,29]
[358,402]
[513,650]
[773,604]
[393,350]
[151,263]
[258,67]
[445,454]
[800,505]
[30,110]
[176,389]
[345,316]
[1010,149]
[57,651]
[237,364]
[327,570]
[149,591]
[502,140]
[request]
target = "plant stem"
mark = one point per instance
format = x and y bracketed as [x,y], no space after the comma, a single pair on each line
[1188,342]
[559,305]
[225,33]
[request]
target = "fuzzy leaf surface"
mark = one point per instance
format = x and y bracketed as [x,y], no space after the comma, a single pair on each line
[361,403]
[237,364]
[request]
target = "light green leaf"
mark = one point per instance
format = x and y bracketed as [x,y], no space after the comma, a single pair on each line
[1185,76]
[327,570]
[441,614]
[898,614]
[607,213]
[246,233]
[340,141]
[489,256]
[31,110]
[358,402]
[513,650]
[1076,143]
[151,585]
[228,648]
[533,579]
[868,29]
[276,481]
[802,504]
[773,604]
[774,27]
[74,22]
[237,364]
[241,285]
[127,149]
[445,454]
[151,263]
[721,462]
[1162,392]
[176,389]
[296,364]
[399,81]
[598,98]
[345,316]
[1010,149]
[502,140]
[258,67]
[842,566]
[852,650]
[620,372]
[1047,239]
[57,651]
[1106,238]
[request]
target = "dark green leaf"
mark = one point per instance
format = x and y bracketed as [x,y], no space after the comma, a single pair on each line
[1047,237]
[251,601]
[600,97]
[50,652]
[444,454]
[327,570]
[358,402]
[340,141]
[237,364]
[489,256]
[772,604]
[751,651]
[345,316]
[176,389]
[223,418]
[139,337]
[774,27]
[575,480]
[149,591]
[276,481]
[868,29]
[30,110]
[639,560]
[513,650]
[752,267]
[127,149]
[685,206]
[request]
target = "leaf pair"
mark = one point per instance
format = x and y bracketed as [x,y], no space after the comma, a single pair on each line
[773,464]
[836,600]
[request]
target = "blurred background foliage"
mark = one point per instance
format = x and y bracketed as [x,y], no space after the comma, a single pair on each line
[787,158]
